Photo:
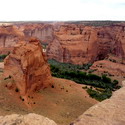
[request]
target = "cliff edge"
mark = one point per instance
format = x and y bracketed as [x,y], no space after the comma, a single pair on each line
[108,112]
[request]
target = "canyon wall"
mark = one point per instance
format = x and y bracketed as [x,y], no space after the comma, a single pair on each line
[70,43]
[9,36]
[79,44]
[44,32]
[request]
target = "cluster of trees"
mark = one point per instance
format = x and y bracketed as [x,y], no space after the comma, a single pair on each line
[72,72]
[68,66]
[100,96]
[85,78]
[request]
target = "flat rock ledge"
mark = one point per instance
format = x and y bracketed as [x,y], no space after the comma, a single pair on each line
[29,119]
[107,112]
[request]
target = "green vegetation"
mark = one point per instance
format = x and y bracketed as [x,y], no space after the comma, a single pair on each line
[21,98]
[16,90]
[9,77]
[100,96]
[2,57]
[68,66]
[72,72]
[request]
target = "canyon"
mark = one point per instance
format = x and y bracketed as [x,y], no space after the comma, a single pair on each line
[26,86]
[26,77]
[69,43]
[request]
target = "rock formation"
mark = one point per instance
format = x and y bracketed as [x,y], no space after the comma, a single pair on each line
[83,44]
[27,67]
[69,42]
[44,32]
[112,68]
[9,36]
[108,112]
[29,119]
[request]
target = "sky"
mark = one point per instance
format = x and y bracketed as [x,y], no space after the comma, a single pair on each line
[61,10]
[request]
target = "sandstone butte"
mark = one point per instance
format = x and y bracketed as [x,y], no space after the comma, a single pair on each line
[27,68]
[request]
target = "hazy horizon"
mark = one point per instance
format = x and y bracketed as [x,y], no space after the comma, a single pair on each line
[62,10]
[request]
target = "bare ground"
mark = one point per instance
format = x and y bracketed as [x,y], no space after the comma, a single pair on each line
[63,102]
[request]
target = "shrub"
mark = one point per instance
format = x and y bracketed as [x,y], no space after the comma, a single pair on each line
[9,77]
[2,57]
[84,87]
[16,90]
[93,77]
[21,98]
[115,82]
[105,79]
[87,66]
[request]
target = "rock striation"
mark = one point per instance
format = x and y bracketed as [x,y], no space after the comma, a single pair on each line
[82,44]
[44,32]
[107,112]
[27,67]
[29,119]
[69,42]
[9,36]
[106,66]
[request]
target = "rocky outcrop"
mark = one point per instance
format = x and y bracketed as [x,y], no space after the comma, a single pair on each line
[27,67]
[29,119]
[70,43]
[13,33]
[44,32]
[111,68]
[108,112]
[55,47]
[83,44]
[9,36]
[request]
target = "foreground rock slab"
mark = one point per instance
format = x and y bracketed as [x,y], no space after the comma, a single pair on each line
[30,119]
[27,67]
[108,112]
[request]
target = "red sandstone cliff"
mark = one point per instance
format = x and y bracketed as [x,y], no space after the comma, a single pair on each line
[44,32]
[27,68]
[83,44]
[71,43]
[9,36]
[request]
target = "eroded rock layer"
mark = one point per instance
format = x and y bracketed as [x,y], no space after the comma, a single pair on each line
[81,44]
[27,67]
[69,42]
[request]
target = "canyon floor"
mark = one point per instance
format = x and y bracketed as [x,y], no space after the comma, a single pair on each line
[63,102]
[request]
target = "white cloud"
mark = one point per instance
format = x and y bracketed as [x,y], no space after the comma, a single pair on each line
[61,10]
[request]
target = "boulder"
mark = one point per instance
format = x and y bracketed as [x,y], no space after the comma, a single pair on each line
[29,119]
